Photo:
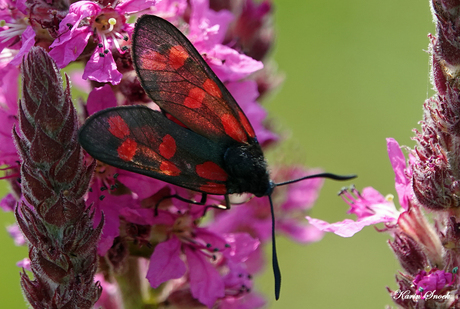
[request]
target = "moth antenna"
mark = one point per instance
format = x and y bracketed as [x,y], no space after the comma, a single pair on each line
[320,175]
[276,267]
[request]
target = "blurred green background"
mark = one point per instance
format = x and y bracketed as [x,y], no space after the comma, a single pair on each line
[356,73]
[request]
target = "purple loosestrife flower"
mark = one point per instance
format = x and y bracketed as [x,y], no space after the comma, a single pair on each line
[436,281]
[24,24]
[213,264]
[52,213]
[251,32]
[105,25]
[370,206]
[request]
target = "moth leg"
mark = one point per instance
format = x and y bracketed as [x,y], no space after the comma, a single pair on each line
[227,202]
[204,198]
[219,206]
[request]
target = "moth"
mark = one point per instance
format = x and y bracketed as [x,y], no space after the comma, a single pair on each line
[200,139]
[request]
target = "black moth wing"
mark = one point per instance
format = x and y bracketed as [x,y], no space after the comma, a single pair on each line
[144,141]
[177,78]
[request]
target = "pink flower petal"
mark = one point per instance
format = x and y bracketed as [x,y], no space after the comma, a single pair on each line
[24,263]
[69,51]
[28,41]
[241,246]
[16,234]
[111,206]
[347,227]
[363,205]
[236,66]
[170,9]
[142,216]
[165,263]
[398,161]
[102,69]
[142,185]
[79,82]
[206,284]
[21,6]
[8,202]
[207,27]
[132,6]
[100,98]
[211,239]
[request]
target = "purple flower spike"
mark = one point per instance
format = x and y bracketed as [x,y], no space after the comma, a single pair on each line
[52,214]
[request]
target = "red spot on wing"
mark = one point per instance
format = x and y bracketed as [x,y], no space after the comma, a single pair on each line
[246,125]
[211,171]
[146,153]
[169,169]
[211,87]
[177,57]
[118,127]
[153,60]
[233,128]
[195,98]
[127,150]
[214,188]
[168,147]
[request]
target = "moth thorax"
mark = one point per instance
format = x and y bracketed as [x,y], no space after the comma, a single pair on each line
[247,169]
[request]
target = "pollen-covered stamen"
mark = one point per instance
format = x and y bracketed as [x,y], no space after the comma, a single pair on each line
[105,22]
[108,25]
[112,23]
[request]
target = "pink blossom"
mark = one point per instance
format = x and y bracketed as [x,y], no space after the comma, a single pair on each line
[194,252]
[8,202]
[436,281]
[24,263]
[16,234]
[207,27]
[166,263]
[107,24]
[370,206]
[15,24]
